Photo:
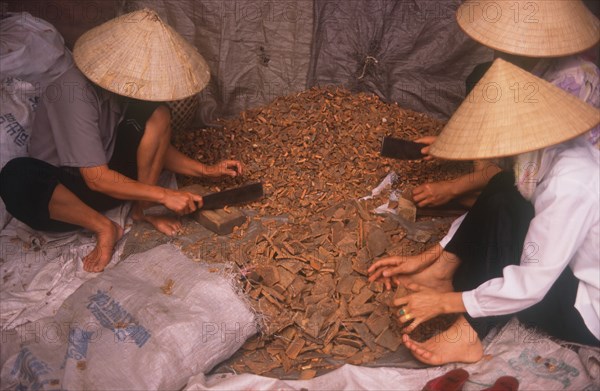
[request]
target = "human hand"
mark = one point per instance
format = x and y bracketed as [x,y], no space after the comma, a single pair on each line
[231,168]
[433,194]
[181,202]
[385,269]
[421,305]
[425,150]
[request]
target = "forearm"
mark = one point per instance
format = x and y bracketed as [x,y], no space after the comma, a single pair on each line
[118,186]
[452,303]
[483,172]
[179,163]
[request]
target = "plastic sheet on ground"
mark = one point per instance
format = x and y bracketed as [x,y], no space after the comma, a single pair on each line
[150,323]
[535,360]
[39,270]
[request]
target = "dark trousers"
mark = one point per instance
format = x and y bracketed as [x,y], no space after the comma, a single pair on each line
[490,238]
[27,184]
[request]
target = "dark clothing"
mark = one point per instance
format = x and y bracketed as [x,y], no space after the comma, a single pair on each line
[27,184]
[490,238]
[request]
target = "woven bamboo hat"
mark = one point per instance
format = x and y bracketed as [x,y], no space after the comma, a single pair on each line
[543,28]
[140,56]
[509,112]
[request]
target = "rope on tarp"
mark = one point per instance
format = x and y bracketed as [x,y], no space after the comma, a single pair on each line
[369,60]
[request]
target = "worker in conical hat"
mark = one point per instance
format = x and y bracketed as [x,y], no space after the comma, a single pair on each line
[103,136]
[548,38]
[529,250]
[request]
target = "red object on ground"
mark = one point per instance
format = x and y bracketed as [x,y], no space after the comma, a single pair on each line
[504,383]
[450,381]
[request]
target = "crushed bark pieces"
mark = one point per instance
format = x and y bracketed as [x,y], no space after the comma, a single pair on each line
[295,347]
[317,153]
[389,340]
[167,288]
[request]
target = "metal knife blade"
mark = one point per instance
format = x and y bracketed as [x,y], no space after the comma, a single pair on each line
[238,195]
[401,149]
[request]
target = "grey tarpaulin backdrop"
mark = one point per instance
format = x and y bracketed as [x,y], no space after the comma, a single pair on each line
[406,51]
[409,51]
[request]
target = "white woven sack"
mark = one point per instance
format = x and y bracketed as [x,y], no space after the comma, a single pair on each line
[150,323]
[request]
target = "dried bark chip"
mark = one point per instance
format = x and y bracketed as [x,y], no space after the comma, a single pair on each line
[269,274]
[362,211]
[332,332]
[295,347]
[343,350]
[361,357]
[268,308]
[386,298]
[407,209]
[350,342]
[389,224]
[315,264]
[359,284]
[363,331]
[388,340]
[340,213]
[344,286]
[273,293]
[377,241]
[260,367]
[297,287]
[291,265]
[363,256]
[323,284]
[307,374]
[376,286]
[360,310]
[378,322]
[348,244]
[419,236]
[364,296]
[313,325]
[337,232]
[344,266]
[255,293]
[360,266]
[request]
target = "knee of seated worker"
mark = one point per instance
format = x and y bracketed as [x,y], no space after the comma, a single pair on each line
[13,173]
[160,121]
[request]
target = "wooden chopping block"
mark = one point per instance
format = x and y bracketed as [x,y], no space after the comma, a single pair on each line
[219,221]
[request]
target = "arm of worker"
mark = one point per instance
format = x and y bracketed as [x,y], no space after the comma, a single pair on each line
[179,163]
[564,214]
[104,180]
[439,193]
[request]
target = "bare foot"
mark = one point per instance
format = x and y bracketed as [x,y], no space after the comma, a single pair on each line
[167,225]
[438,276]
[101,255]
[459,343]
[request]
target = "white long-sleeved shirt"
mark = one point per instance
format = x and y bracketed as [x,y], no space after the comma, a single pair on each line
[564,233]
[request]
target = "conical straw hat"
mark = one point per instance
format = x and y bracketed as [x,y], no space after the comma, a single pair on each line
[510,111]
[543,28]
[139,56]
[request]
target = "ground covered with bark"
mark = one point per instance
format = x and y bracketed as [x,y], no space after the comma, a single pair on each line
[303,255]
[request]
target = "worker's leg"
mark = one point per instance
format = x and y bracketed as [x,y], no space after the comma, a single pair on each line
[43,197]
[67,207]
[490,238]
[143,138]
[459,343]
